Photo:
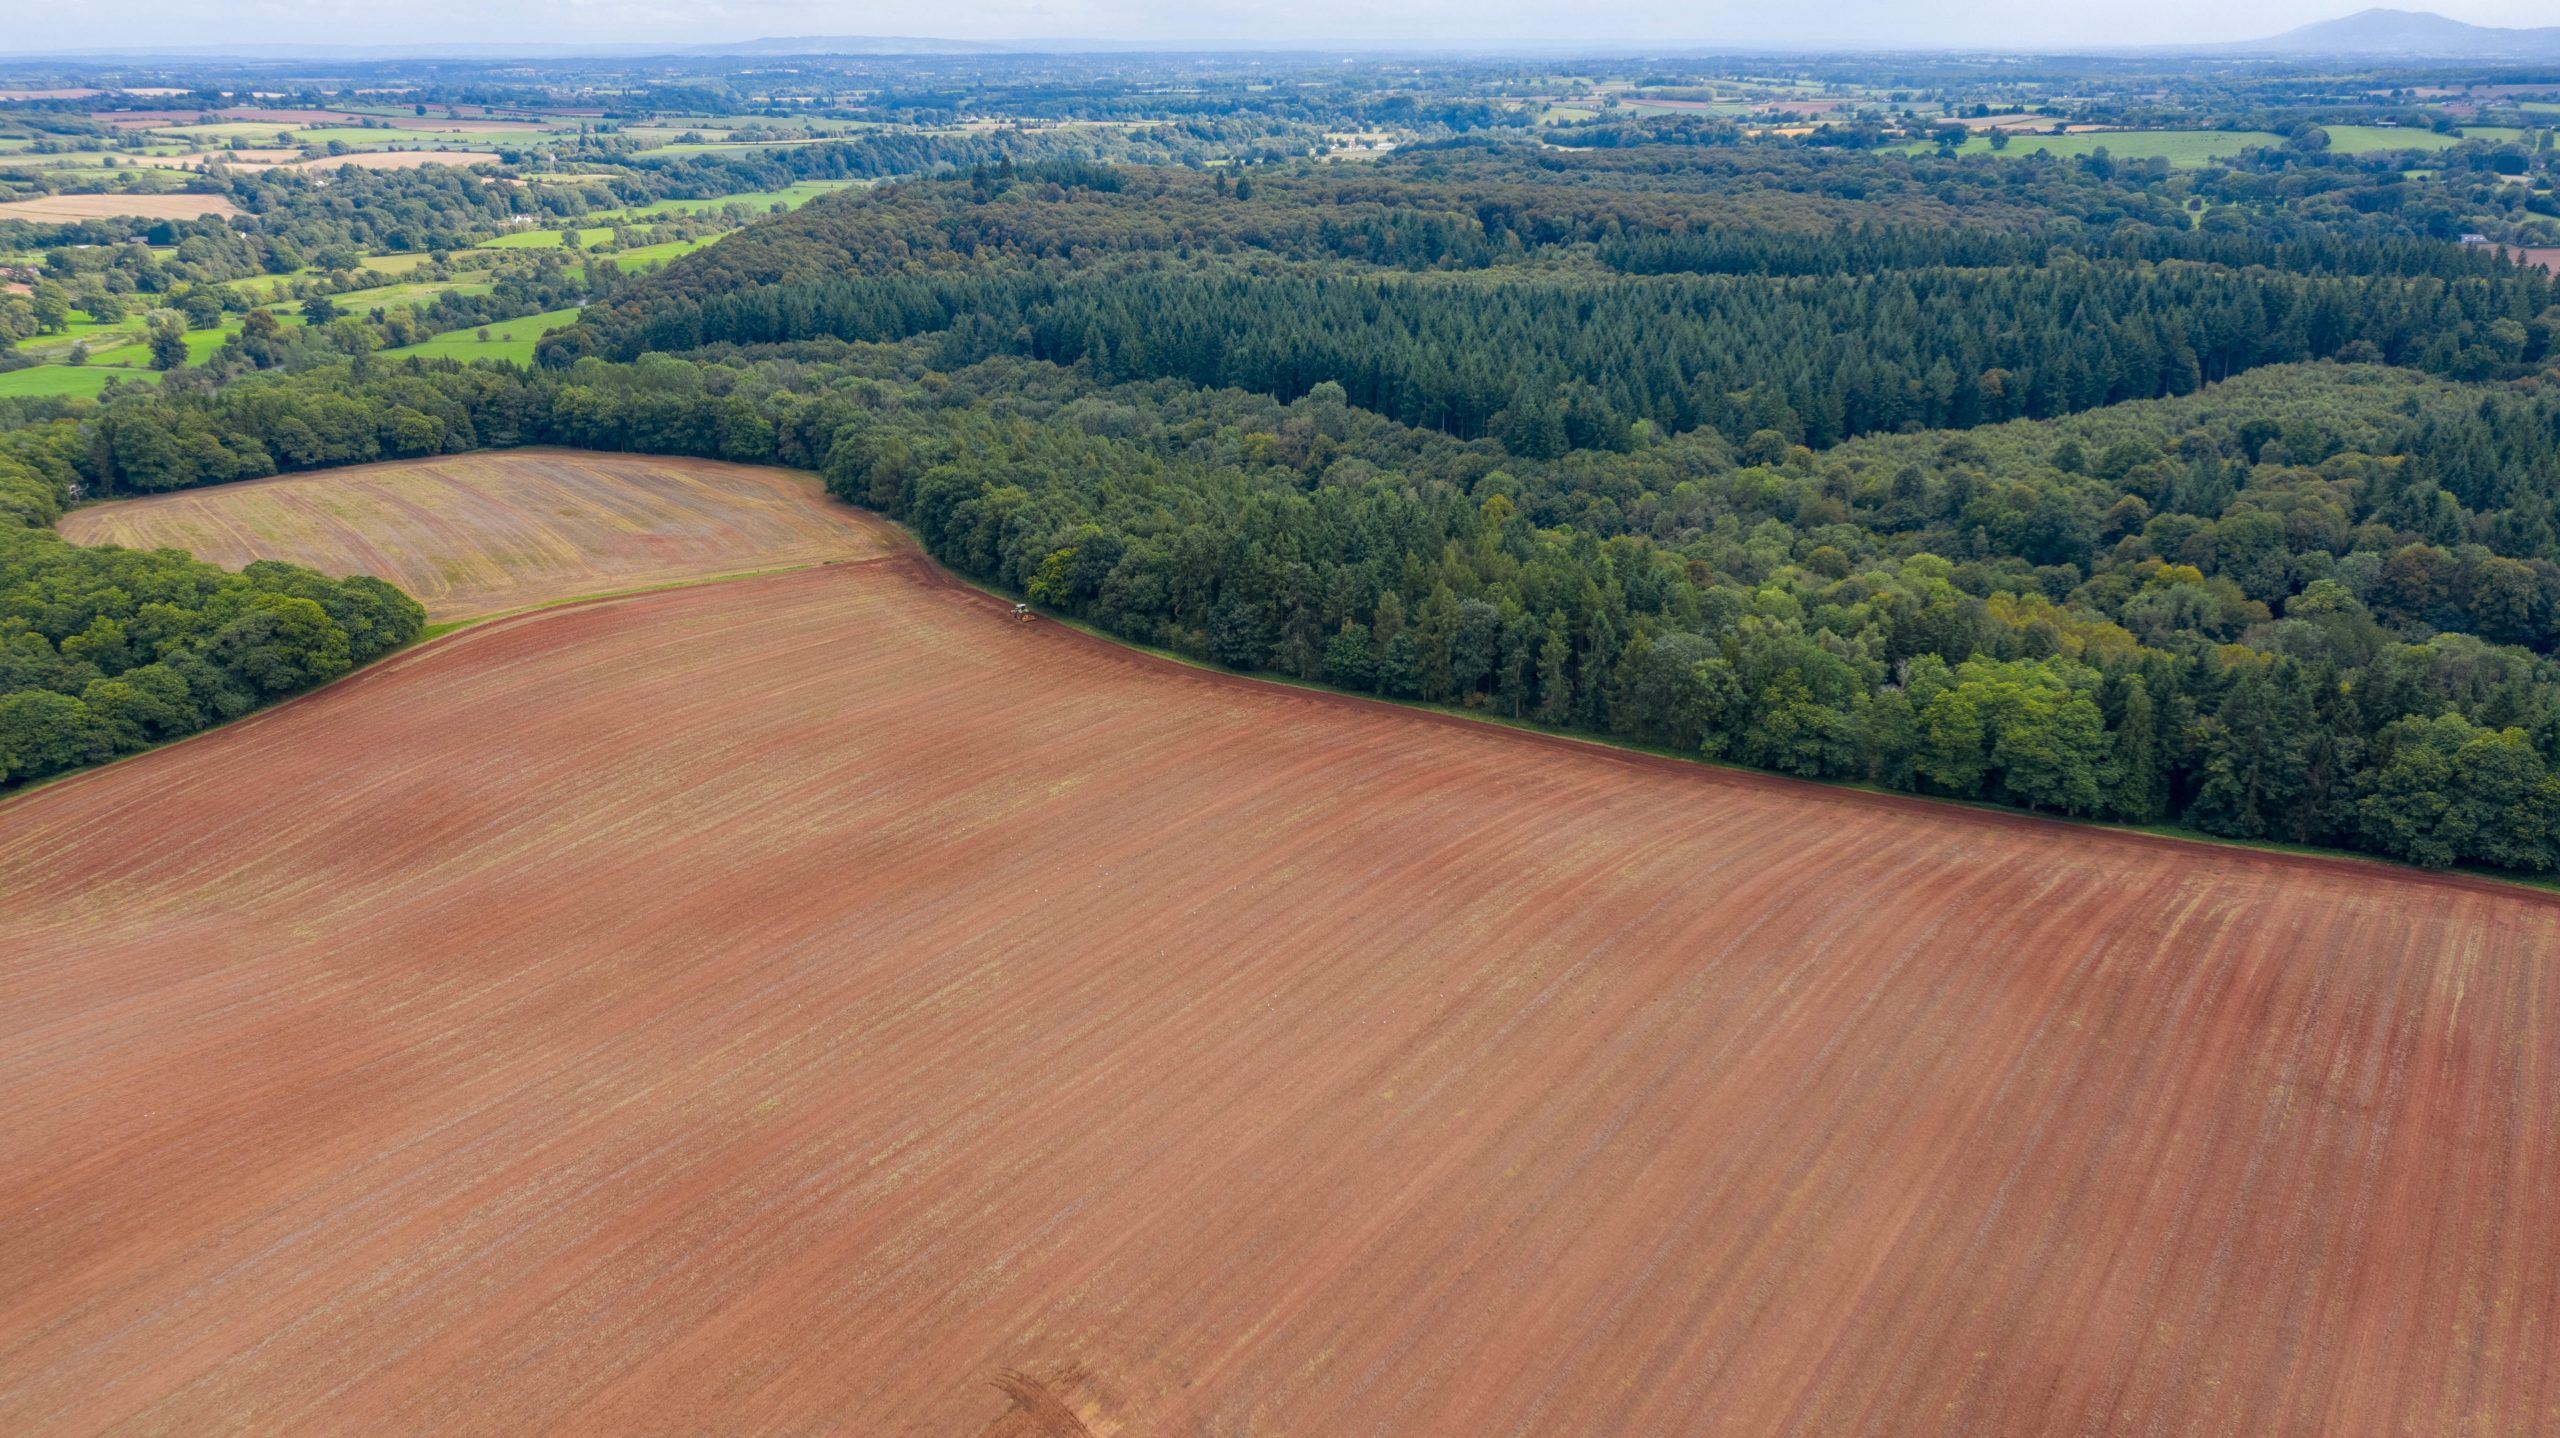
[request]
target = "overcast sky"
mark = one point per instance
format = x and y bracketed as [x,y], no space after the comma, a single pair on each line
[36,25]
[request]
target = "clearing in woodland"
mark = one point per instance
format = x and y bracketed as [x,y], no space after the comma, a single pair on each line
[477,534]
[819,1004]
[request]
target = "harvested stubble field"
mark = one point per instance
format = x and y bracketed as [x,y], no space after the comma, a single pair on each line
[58,209]
[477,534]
[814,1004]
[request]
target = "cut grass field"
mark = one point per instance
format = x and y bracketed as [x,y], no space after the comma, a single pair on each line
[404,292]
[59,208]
[478,534]
[643,256]
[729,147]
[546,239]
[2369,139]
[816,1003]
[2197,147]
[2178,147]
[510,340]
[398,159]
[759,200]
[122,344]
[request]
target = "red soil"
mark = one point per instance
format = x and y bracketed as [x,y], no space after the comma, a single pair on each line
[814,1004]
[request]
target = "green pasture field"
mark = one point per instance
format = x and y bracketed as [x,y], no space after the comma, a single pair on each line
[406,292]
[1727,109]
[247,134]
[266,288]
[81,328]
[721,146]
[545,239]
[137,354]
[429,139]
[658,253]
[52,380]
[134,356]
[2196,147]
[510,340]
[2367,139]
[795,196]
[2178,147]
[666,134]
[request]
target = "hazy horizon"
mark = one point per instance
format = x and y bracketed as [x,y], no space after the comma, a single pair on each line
[246,25]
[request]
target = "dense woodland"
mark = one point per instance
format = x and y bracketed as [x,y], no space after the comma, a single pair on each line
[2315,604]
[2220,498]
[1470,299]
[105,651]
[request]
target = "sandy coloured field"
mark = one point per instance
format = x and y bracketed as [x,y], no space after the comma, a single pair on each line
[816,1004]
[477,534]
[56,209]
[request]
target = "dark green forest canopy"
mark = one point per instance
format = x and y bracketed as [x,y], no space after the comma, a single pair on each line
[2224,500]
[1562,304]
[2284,640]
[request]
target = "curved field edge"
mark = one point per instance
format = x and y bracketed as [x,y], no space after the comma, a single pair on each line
[494,531]
[436,634]
[992,998]
[899,539]
[2346,860]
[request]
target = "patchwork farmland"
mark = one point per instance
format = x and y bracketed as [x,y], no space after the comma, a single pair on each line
[817,1003]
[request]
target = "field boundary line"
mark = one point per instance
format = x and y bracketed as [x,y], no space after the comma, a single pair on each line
[2338,861]
[934,576]
[438,637]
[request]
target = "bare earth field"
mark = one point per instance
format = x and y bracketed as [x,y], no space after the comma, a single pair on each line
[59,208]
[471,535]
[817,1005]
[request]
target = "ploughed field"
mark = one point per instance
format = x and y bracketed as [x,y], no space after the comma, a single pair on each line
[817,1004]
[477,534]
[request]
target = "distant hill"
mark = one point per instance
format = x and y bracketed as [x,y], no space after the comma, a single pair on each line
[2414,34]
